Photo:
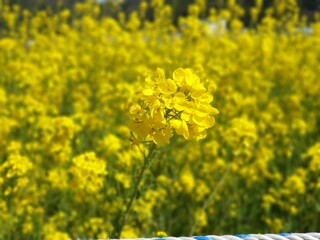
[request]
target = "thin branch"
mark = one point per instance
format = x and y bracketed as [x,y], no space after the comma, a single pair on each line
[146,165]
[209,199]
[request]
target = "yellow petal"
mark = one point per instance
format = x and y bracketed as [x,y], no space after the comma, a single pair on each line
[168,101]
[135,109]
[158,76]
[205,98]
[141,128]
[201,135]
[161,137]
[214,111]
[192,80]
[202,111]
[148,92]
[179,76]
[157,114]
[208,122]
[180,127]
[168,87]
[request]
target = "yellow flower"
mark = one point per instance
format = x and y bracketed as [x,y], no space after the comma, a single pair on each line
[88,172]
[181,104]
[167,87]
[161,234]
[181,127]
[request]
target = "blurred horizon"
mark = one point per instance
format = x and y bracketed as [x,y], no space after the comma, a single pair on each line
[308,8]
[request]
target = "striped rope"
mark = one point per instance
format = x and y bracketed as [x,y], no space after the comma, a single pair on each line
[280,236]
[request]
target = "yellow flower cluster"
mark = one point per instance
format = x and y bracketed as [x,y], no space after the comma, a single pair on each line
[180,103]
[13,171]
[73,80]
[88,172]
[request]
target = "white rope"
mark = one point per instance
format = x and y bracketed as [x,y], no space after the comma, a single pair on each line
[280,236]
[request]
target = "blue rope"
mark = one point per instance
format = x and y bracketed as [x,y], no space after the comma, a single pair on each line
[279,236]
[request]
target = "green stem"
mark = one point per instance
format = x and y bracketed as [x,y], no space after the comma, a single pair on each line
[146,165]
[209,199]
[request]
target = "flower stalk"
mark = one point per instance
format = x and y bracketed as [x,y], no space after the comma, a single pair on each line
[147,161]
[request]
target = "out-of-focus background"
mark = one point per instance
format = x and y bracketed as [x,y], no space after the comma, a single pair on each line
[180,7]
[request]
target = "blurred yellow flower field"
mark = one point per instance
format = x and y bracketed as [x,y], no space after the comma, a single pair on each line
[229,114]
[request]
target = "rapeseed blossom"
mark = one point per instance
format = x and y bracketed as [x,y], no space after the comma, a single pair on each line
[180,103]
[88,172]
